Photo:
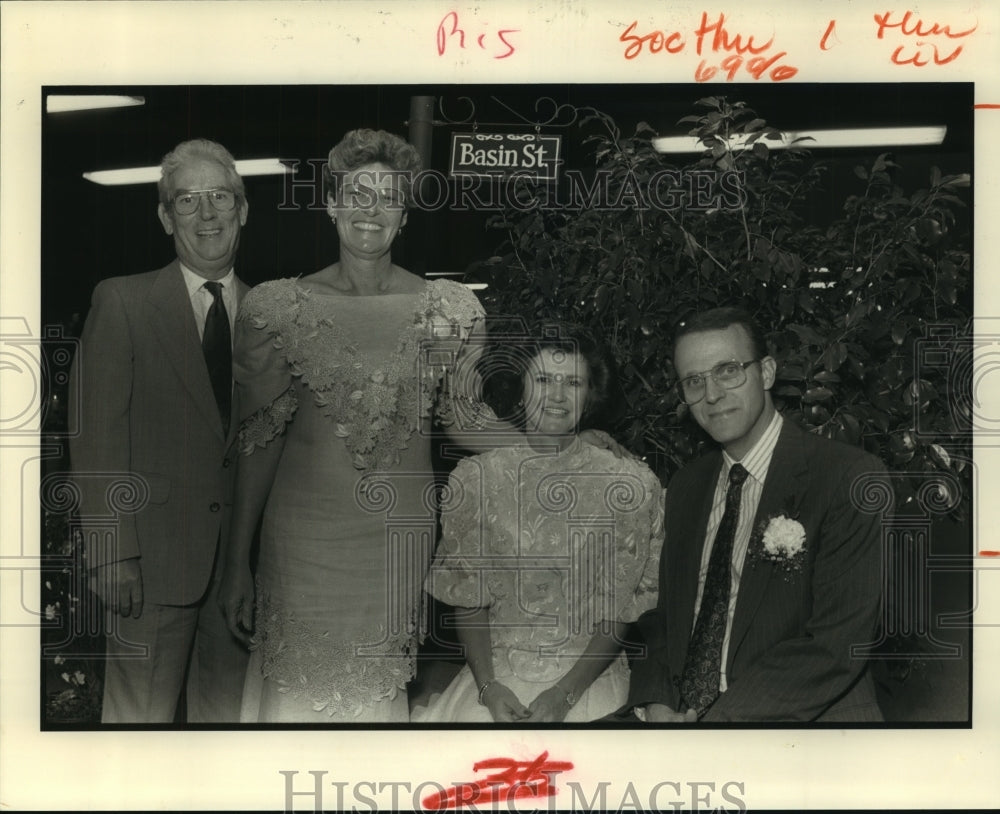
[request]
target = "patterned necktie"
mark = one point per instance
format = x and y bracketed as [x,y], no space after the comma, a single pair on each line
[702,668]
[217,347]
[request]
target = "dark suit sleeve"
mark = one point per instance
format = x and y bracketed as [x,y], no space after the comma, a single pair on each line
[102,372]
[798,678]
[650,679]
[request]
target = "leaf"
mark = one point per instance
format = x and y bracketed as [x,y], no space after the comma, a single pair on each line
[861,172]
[814,394]
[834,356]
[808,335]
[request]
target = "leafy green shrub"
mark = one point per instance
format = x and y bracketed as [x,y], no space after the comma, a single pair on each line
[845,306]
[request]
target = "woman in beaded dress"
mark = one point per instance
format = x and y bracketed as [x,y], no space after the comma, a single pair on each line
[337,386]
[549,549]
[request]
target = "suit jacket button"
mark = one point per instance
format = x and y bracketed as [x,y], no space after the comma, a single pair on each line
[225,463]
[214,507]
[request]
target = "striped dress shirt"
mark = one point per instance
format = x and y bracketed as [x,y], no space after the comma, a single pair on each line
[756,462]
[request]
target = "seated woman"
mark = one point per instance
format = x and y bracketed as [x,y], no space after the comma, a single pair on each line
[550,547]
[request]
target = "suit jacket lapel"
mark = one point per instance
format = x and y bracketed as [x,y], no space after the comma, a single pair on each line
[689,536]
[173,322]
[785,479]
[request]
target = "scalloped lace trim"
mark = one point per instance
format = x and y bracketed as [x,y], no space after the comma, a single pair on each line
[326,672]
[268,422]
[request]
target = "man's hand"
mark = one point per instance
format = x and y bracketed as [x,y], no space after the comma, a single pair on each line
[119,586]
[599,438]
[550,706]
[236,598]
[662,714]
[504,706]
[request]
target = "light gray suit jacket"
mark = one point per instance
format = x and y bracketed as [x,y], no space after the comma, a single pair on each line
[148,415]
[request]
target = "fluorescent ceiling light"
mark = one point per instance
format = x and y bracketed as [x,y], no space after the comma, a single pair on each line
[62,104]
[819,139]
[147,175]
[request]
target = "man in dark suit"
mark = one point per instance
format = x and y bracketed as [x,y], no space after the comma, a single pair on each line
[154,371]
[769,572]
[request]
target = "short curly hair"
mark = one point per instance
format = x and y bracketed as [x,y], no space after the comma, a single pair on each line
[197,149]
[603,407]
[365,146]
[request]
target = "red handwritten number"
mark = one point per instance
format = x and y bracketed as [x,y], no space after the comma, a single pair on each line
[503,39]
[826,36]
[515,781]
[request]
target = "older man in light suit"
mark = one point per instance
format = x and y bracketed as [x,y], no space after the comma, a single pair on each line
[769,572]
[154,371]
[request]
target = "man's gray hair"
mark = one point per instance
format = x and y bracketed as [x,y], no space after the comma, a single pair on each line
[194,150]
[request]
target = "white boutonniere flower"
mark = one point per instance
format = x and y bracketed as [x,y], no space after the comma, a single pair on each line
[783,542]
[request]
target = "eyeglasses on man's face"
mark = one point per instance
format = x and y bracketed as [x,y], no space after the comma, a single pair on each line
[728,375]
[363,196]
[187,203]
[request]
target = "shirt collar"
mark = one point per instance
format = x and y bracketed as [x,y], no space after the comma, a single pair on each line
[758,458]
[196,281]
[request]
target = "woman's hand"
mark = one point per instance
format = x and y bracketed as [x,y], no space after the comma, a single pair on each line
[551,706]
[504,706]
[601,439]
[236,597]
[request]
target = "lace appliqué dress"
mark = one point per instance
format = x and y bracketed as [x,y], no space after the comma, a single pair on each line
[348,529]
[552,544]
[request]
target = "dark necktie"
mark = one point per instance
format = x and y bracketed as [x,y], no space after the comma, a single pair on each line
[702,668]
[217,346]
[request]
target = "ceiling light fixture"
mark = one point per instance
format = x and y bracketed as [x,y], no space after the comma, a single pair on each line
[58,103]
[819,139]
[147,175]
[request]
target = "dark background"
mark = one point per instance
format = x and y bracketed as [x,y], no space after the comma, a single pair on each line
[90,231]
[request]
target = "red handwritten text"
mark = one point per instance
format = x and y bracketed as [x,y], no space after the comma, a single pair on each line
[826,36]
[739,52]
[516,780]
[448,29]
[721,41]
[924,52]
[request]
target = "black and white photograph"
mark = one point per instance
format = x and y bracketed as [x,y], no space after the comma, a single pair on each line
[394,442]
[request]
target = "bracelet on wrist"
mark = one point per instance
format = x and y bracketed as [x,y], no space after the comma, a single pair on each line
[571,698]
[484,687]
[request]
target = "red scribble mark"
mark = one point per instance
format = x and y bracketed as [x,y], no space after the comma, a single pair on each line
[826,36]
[918,62]
[986,107]
[517,781]
[989,553]
[918,28]
[448,27]
[721,39]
